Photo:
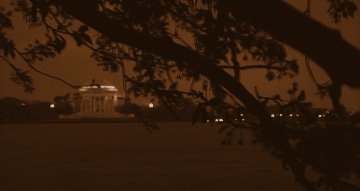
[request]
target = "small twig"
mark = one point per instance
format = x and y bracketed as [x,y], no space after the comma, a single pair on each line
[9,63]
[123,72]
[46,74]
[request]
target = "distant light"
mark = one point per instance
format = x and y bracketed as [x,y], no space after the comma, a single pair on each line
[241,115]
[297,115]
[208,121]
[280,114]
[272,115]
[23,104]
[319,116]
[216,120]
[242,119]
[323,115]
[236,119]
[108,88]
[221,120]
[290,115]
[52,105]
[151,105]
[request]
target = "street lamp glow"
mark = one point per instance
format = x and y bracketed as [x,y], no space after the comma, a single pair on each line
[151,105]
[52,105]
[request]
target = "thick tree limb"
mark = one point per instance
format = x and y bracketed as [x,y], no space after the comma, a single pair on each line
[272,132]
[338,60]
[166,48]
[323,45]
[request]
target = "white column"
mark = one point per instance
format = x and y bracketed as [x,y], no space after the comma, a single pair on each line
[82,105]
[92,104]
[109,104]
[97,106]
[101,104]
[109,100]
[113,103]
[87,104]
[106,104]
[95,103]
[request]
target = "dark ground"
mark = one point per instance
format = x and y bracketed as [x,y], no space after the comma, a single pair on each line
[124,156]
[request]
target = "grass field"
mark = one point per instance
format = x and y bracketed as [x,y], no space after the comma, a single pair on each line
[124,156]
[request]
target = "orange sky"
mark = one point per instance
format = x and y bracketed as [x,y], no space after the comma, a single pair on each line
[75,65]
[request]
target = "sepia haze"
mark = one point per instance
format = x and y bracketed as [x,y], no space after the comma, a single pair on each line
[76,66]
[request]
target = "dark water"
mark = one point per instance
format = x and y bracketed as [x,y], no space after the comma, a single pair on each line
[124,156]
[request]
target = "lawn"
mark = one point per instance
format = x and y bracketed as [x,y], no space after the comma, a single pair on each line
[125,156]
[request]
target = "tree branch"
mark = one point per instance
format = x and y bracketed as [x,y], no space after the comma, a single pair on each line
[46,74]
[166,48]
[338,58]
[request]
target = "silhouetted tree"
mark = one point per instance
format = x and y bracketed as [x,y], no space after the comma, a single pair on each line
[63,104]
[13,109]
[168,42]
[40,110]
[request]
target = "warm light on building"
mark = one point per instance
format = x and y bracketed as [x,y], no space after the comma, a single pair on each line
[98,101]
[108,88]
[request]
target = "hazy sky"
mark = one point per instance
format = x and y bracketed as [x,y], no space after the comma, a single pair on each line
[75,65]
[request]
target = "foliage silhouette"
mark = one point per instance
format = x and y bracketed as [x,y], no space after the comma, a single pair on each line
[168,42]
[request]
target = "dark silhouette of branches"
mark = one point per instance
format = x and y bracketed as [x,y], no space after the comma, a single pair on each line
[146,36]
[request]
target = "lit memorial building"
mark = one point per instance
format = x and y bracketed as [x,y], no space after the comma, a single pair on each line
[98,101]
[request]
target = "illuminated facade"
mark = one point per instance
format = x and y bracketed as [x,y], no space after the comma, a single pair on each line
[98,101]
